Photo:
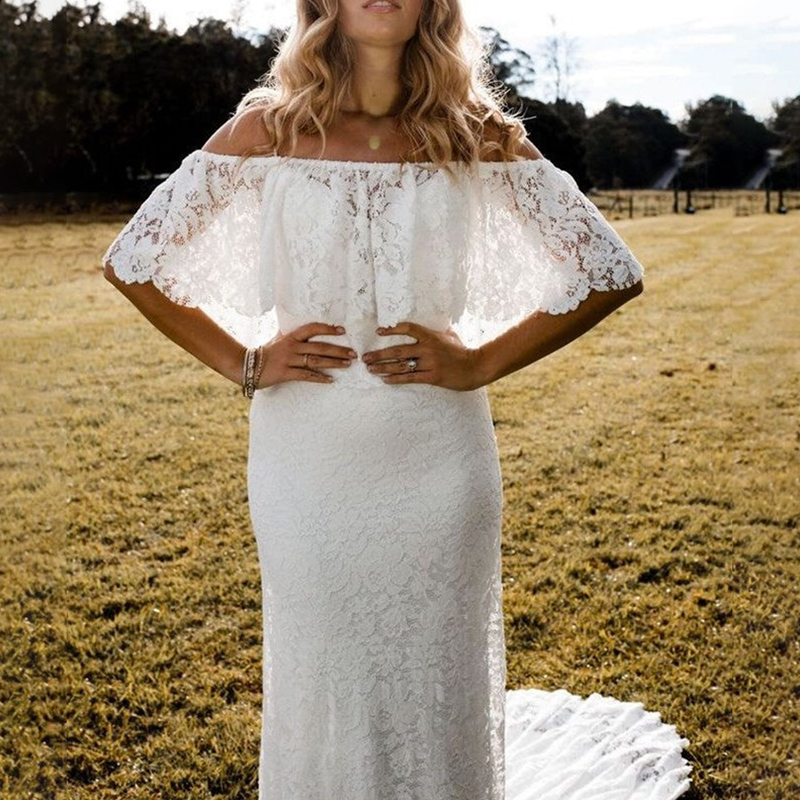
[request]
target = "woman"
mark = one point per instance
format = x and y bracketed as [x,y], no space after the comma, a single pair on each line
[365,247]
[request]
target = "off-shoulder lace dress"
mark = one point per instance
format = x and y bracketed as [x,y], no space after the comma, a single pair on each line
[377,508]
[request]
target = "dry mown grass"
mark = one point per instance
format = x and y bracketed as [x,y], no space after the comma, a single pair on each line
[651,547]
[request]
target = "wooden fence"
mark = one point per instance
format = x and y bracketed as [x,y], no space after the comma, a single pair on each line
[623,204]
[636,203]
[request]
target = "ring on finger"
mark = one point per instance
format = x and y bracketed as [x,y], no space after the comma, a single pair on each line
[412,364]
[305,361]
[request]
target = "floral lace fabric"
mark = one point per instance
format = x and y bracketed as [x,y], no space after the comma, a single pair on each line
[377,509]
[341,241]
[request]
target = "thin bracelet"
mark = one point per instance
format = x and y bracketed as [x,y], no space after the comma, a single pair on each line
[259,366]
[248,373]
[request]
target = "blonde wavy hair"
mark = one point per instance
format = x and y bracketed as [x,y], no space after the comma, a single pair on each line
[451,106]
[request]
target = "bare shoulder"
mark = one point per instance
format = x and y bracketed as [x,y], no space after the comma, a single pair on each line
[527,149]
[241,133]
[524,149]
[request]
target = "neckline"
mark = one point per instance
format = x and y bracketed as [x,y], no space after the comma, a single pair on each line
[333,162]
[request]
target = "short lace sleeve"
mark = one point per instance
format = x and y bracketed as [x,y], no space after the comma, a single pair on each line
[197,238]
[537,244]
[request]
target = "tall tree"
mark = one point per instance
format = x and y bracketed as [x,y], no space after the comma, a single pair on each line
[27,102]
[557,131]
[512,68]
[629,145]
[732,143]
[82,48]
[786,124]
[559,54]
[555,128]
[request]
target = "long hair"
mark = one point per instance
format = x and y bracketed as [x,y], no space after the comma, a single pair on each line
[451,107]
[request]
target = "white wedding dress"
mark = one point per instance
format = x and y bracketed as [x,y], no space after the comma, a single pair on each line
[377,508]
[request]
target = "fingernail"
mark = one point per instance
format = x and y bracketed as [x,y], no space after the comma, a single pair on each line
[339,329]
[352,353]
[381,330]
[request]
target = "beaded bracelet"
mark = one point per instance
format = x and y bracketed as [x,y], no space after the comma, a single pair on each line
[249,372]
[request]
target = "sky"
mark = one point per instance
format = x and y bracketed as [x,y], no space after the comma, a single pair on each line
[661,54]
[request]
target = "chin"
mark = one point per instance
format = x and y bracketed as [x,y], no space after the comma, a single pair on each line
[393,29]
[380,39]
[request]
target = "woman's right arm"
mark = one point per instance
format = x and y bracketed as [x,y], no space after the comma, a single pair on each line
[188,327]
[286,357]
[283,357]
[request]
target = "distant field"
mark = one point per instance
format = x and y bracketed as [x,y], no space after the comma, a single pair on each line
[651,543]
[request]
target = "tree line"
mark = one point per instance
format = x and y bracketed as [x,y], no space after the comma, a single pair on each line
[91,105]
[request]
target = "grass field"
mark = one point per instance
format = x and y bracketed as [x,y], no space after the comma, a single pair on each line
[651,541]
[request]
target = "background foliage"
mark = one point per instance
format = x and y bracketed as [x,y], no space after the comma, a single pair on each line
[90,105]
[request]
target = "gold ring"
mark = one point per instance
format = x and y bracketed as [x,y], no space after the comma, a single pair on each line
[305,361]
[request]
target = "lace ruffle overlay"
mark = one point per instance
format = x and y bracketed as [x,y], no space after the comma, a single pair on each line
[346,241]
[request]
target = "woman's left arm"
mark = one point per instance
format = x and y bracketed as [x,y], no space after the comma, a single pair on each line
[443,360]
